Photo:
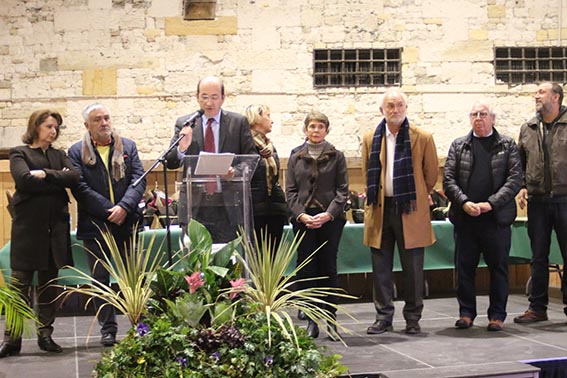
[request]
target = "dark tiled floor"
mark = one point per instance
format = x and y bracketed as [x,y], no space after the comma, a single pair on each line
[439,345]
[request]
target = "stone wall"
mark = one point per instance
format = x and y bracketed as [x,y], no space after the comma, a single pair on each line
[143,60]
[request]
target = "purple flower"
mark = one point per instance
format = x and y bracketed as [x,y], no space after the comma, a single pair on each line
[268,361]
[142,329]
[182,361]
[216,356]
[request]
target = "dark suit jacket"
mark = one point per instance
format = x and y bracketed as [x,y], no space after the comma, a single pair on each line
[234,133]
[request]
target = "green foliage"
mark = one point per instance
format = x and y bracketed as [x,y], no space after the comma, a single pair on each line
[236,350]
[17,311]
[132,271]
[206,321]
[271,291]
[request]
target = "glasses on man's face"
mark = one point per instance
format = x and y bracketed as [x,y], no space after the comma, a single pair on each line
[207,97]
[478,114]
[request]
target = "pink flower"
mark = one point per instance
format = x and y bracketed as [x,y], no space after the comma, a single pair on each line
[237,286]
[194,281]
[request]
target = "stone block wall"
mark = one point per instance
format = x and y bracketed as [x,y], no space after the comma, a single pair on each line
[143,60]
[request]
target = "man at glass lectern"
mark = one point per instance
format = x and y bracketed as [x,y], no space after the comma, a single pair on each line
[216,130]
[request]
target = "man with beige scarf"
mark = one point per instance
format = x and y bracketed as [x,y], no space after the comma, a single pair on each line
[106,199]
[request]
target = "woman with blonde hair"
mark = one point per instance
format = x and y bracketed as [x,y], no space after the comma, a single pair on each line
[268,200]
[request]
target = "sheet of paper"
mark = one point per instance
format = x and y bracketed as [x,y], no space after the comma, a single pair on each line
[213,164]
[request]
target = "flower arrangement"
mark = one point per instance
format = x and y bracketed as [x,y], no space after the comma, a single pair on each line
[222,315]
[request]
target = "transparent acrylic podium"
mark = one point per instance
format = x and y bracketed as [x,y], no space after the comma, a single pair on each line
[223,205]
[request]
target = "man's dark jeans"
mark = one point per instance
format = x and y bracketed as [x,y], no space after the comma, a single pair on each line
[543,217]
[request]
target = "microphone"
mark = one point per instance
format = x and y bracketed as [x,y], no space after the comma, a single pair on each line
[192,118]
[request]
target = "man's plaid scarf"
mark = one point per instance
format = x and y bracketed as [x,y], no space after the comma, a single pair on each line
[404,184]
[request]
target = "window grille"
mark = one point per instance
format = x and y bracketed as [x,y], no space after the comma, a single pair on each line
[525,65]
[356,67]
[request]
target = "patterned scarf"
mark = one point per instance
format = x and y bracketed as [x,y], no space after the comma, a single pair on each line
[266,151]
[403,179]
[88,155]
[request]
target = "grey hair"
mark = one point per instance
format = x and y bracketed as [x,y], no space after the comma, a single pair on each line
[393,90]
[89,108]
[485,102]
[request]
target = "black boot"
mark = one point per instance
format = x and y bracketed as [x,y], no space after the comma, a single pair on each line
[47,344]
[10,348]
[312,329]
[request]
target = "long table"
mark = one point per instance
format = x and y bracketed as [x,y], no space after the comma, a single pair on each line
[353,256]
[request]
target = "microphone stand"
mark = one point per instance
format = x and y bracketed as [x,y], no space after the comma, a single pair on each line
[163,160]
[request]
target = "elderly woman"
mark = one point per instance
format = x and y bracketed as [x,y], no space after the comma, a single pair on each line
[40,227]
[269,206]
[317,190]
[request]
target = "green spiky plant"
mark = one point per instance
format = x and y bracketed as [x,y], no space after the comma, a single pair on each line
[270,289]
[132,271]
[19,316]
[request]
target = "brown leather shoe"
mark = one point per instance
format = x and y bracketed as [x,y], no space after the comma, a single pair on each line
[464,322]
[530,316]
[495,325]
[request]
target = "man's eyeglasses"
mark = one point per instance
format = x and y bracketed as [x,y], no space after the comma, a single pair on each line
[478,114]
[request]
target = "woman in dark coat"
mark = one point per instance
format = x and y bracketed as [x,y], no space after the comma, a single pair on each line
[40,239]
[268,200]
[317,191]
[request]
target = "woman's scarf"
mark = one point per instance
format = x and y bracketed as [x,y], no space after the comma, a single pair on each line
[403,179]
[88,155]
[266,151]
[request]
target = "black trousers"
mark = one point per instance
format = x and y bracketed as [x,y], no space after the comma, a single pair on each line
[473,239]
[273,225]
[23,281]
[383,264]
[324,262]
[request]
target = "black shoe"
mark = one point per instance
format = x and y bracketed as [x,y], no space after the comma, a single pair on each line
[378,327]
[332,332]
[312,329]
[108,339]
[47,344]
[10,349]
[301,315]
[413,328]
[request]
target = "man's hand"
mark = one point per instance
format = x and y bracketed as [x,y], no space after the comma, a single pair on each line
[184,143]
[117,215]
[471,208]
[229,174]
[485,207]
[523,198]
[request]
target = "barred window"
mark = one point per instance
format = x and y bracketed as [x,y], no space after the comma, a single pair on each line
[356,67]
[524,65]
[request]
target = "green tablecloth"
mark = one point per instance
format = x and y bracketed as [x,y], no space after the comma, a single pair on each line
[353,256]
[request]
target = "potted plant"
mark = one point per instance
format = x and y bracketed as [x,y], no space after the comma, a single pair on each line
[219,314]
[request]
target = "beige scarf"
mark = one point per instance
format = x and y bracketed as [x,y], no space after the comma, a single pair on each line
[88,155]
[266,150]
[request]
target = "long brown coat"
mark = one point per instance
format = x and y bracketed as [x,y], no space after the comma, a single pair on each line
[41,217]
[417,225]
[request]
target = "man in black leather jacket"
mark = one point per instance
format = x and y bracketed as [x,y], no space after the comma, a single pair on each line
[483,174]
